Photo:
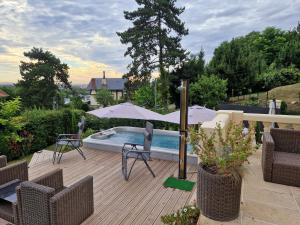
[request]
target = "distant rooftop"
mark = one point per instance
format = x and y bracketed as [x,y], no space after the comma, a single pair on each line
[3,94]
[112,84]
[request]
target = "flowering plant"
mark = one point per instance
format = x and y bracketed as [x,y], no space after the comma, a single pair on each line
[188,215]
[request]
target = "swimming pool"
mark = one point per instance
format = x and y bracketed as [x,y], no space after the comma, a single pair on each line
[162,141]
[165,144]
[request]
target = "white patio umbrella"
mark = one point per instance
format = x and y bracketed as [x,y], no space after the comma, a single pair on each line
[126,110]
[196,114]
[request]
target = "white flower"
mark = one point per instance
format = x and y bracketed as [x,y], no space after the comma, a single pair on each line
[193,207]
[175,214]
[185,210]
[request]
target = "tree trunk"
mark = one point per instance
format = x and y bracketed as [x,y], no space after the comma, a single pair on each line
[164,88]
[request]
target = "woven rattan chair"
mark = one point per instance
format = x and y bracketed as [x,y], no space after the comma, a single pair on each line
[45,201]
[138,152]
[9,173]
[72,141]
[281,156]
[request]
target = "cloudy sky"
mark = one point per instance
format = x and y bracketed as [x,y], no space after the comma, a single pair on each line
[82,33]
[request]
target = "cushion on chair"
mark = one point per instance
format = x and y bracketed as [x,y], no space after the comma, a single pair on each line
[287,159]
[286,140]
[286,168]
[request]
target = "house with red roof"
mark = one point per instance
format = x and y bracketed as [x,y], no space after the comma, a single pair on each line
[3,94]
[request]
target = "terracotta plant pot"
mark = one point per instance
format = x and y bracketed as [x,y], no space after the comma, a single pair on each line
[218,196]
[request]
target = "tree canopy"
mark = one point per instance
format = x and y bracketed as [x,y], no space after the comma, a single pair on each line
[243,59]
[192,68]
[41,78]
[154,40]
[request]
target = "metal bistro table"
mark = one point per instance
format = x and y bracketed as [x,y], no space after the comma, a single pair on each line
[8,191]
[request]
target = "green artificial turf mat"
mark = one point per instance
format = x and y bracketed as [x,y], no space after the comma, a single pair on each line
[184,185]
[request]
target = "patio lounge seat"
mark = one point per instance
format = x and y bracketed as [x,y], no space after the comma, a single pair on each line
[72,141]
[138,152]
[9,173]
[281,156]
[45,201]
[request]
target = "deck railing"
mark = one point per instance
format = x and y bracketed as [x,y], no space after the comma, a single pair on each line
[224,117]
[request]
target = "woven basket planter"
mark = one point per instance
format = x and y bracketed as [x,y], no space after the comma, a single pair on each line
[218,196]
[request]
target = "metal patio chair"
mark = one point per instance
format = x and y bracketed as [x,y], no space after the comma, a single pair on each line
[138,151]
[72,141]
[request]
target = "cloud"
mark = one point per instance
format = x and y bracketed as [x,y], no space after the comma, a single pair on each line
[82,33]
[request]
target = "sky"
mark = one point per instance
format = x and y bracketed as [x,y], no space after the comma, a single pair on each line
[82,33]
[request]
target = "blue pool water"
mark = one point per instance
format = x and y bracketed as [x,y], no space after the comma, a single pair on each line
[161,141]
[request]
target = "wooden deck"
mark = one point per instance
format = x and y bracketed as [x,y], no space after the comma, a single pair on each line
[141,200]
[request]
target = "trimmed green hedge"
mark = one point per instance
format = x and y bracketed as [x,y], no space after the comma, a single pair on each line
[41,127]
[45,125]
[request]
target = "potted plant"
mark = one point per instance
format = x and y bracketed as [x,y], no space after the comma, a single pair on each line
[219,182]
[188,215]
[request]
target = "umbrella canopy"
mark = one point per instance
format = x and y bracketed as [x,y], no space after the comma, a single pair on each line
[196,114]
[126,111]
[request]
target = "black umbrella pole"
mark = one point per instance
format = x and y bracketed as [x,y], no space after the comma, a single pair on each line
[183,129]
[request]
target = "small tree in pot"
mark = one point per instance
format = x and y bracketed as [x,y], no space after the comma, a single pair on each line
[219,182]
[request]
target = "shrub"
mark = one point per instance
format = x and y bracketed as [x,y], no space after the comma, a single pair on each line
[283,107]
[104,97]
[258,132]
[11,142]
[279,77]
[144,96]
[208,91]
[188,215]
[220,153]
[45,125]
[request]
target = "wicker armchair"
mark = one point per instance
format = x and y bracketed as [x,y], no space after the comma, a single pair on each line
[13,171]
[281,156]
[9,173]
[54,204]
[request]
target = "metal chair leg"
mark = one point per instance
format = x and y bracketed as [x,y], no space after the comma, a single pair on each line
[149,168]
[124,166]
[80,152]
[131,168]
[60,154]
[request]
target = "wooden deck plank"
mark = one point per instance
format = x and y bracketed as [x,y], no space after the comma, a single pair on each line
[140,200]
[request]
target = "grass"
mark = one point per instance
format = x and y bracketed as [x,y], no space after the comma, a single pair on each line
[288,93]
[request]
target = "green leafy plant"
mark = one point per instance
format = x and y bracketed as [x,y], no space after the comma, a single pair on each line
[104,97]
[88,132]
[144,96]
[188,215]
[12,140]
[283,107]
[222,153]
[208,91]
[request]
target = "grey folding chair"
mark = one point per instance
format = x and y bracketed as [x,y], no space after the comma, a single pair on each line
[131,150]
[72,141]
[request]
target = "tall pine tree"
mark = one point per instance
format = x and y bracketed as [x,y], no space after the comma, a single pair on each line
[154,41]
[41,78]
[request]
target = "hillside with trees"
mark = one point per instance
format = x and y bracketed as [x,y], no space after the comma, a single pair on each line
[258,61]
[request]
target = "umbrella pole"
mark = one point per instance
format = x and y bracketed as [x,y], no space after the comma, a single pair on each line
[183,128]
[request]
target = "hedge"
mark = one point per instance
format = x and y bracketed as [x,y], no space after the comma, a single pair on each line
[45,125]
[41,128]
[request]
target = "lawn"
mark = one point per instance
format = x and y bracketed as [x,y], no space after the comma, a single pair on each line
[289,94]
